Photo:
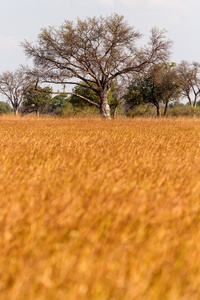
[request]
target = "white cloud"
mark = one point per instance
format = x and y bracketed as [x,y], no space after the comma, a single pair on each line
[167,3]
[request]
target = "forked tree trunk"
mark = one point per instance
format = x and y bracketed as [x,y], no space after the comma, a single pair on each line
[158,110]
[195,101]
[105,107]
[190,101]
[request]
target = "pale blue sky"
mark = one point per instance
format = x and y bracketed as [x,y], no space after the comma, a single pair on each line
[21,19]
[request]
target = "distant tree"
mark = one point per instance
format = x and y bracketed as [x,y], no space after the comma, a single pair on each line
[151,93]
[5,108]
[96,51]
[13,85]
[158,85]
[189,81]
[166,79]
[36,99]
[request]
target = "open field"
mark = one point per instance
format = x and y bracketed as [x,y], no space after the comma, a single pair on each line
[100,210]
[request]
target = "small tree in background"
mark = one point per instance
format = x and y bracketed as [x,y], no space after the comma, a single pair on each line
[166,79]
[189,81]
[37,99]
[158,86]
[13,85]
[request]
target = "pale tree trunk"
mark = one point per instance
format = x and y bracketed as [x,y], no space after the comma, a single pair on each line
[190,101]
[105,107]
[115,112]
[16,109]
[195,101]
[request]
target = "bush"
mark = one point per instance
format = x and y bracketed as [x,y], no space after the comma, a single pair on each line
[183,111]
[5,108]
[142,110]
[148,110]
[67,110]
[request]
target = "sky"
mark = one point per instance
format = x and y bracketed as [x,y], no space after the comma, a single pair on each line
[23,19]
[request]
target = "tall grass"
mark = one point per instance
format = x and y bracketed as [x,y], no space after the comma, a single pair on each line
[93,209]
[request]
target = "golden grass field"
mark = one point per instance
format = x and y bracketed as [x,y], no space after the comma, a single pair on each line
[100,210]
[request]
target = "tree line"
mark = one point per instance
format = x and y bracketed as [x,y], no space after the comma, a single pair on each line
[100,59]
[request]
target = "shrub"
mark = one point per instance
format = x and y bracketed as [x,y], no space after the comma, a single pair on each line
[5,108]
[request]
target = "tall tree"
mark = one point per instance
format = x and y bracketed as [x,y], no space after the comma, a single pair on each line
[95,51]
[13,85]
